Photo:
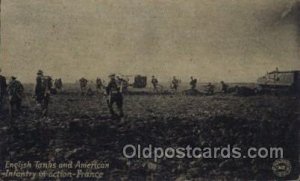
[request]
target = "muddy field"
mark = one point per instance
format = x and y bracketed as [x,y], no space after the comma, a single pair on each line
[80,128]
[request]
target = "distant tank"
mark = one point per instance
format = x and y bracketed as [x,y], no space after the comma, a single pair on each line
[280,80]
[135,81]
[140,81]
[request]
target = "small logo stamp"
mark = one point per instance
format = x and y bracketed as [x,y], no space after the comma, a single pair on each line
[282,167]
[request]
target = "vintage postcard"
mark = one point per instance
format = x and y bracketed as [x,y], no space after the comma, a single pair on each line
[149,90]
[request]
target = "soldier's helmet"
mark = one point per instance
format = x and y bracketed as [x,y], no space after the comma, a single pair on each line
[40,72]
[112,75]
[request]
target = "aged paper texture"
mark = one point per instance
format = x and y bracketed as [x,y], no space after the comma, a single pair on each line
[149,89]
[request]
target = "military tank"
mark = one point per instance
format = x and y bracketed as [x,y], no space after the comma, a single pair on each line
[135,81]
[282,81]
[140,81]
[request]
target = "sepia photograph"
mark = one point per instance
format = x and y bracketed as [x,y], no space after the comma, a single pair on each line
[154,90]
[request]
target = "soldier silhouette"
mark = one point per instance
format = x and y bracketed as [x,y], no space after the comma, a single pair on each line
[3,87]
[193,83]
[15,93]
[115,96]
[42,91]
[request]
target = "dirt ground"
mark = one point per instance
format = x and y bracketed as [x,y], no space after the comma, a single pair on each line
[80,128]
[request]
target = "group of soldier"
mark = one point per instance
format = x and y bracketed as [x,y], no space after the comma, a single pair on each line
[157,87]
[14,90]
[113,91]
[174,85]
[210,88]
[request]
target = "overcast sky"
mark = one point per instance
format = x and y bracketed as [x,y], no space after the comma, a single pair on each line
[213,40]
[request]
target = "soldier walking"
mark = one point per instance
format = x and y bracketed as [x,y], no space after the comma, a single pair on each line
[210,89]
[83,85]
[193,83]
[15,93]
[3,87]
[58,84]
[224,87]
[42,91]
[154,82]
[99,85]
[114,92]
[174,84]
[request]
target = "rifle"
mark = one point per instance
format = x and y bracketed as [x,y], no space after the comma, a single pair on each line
[10,107]
[121,86]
